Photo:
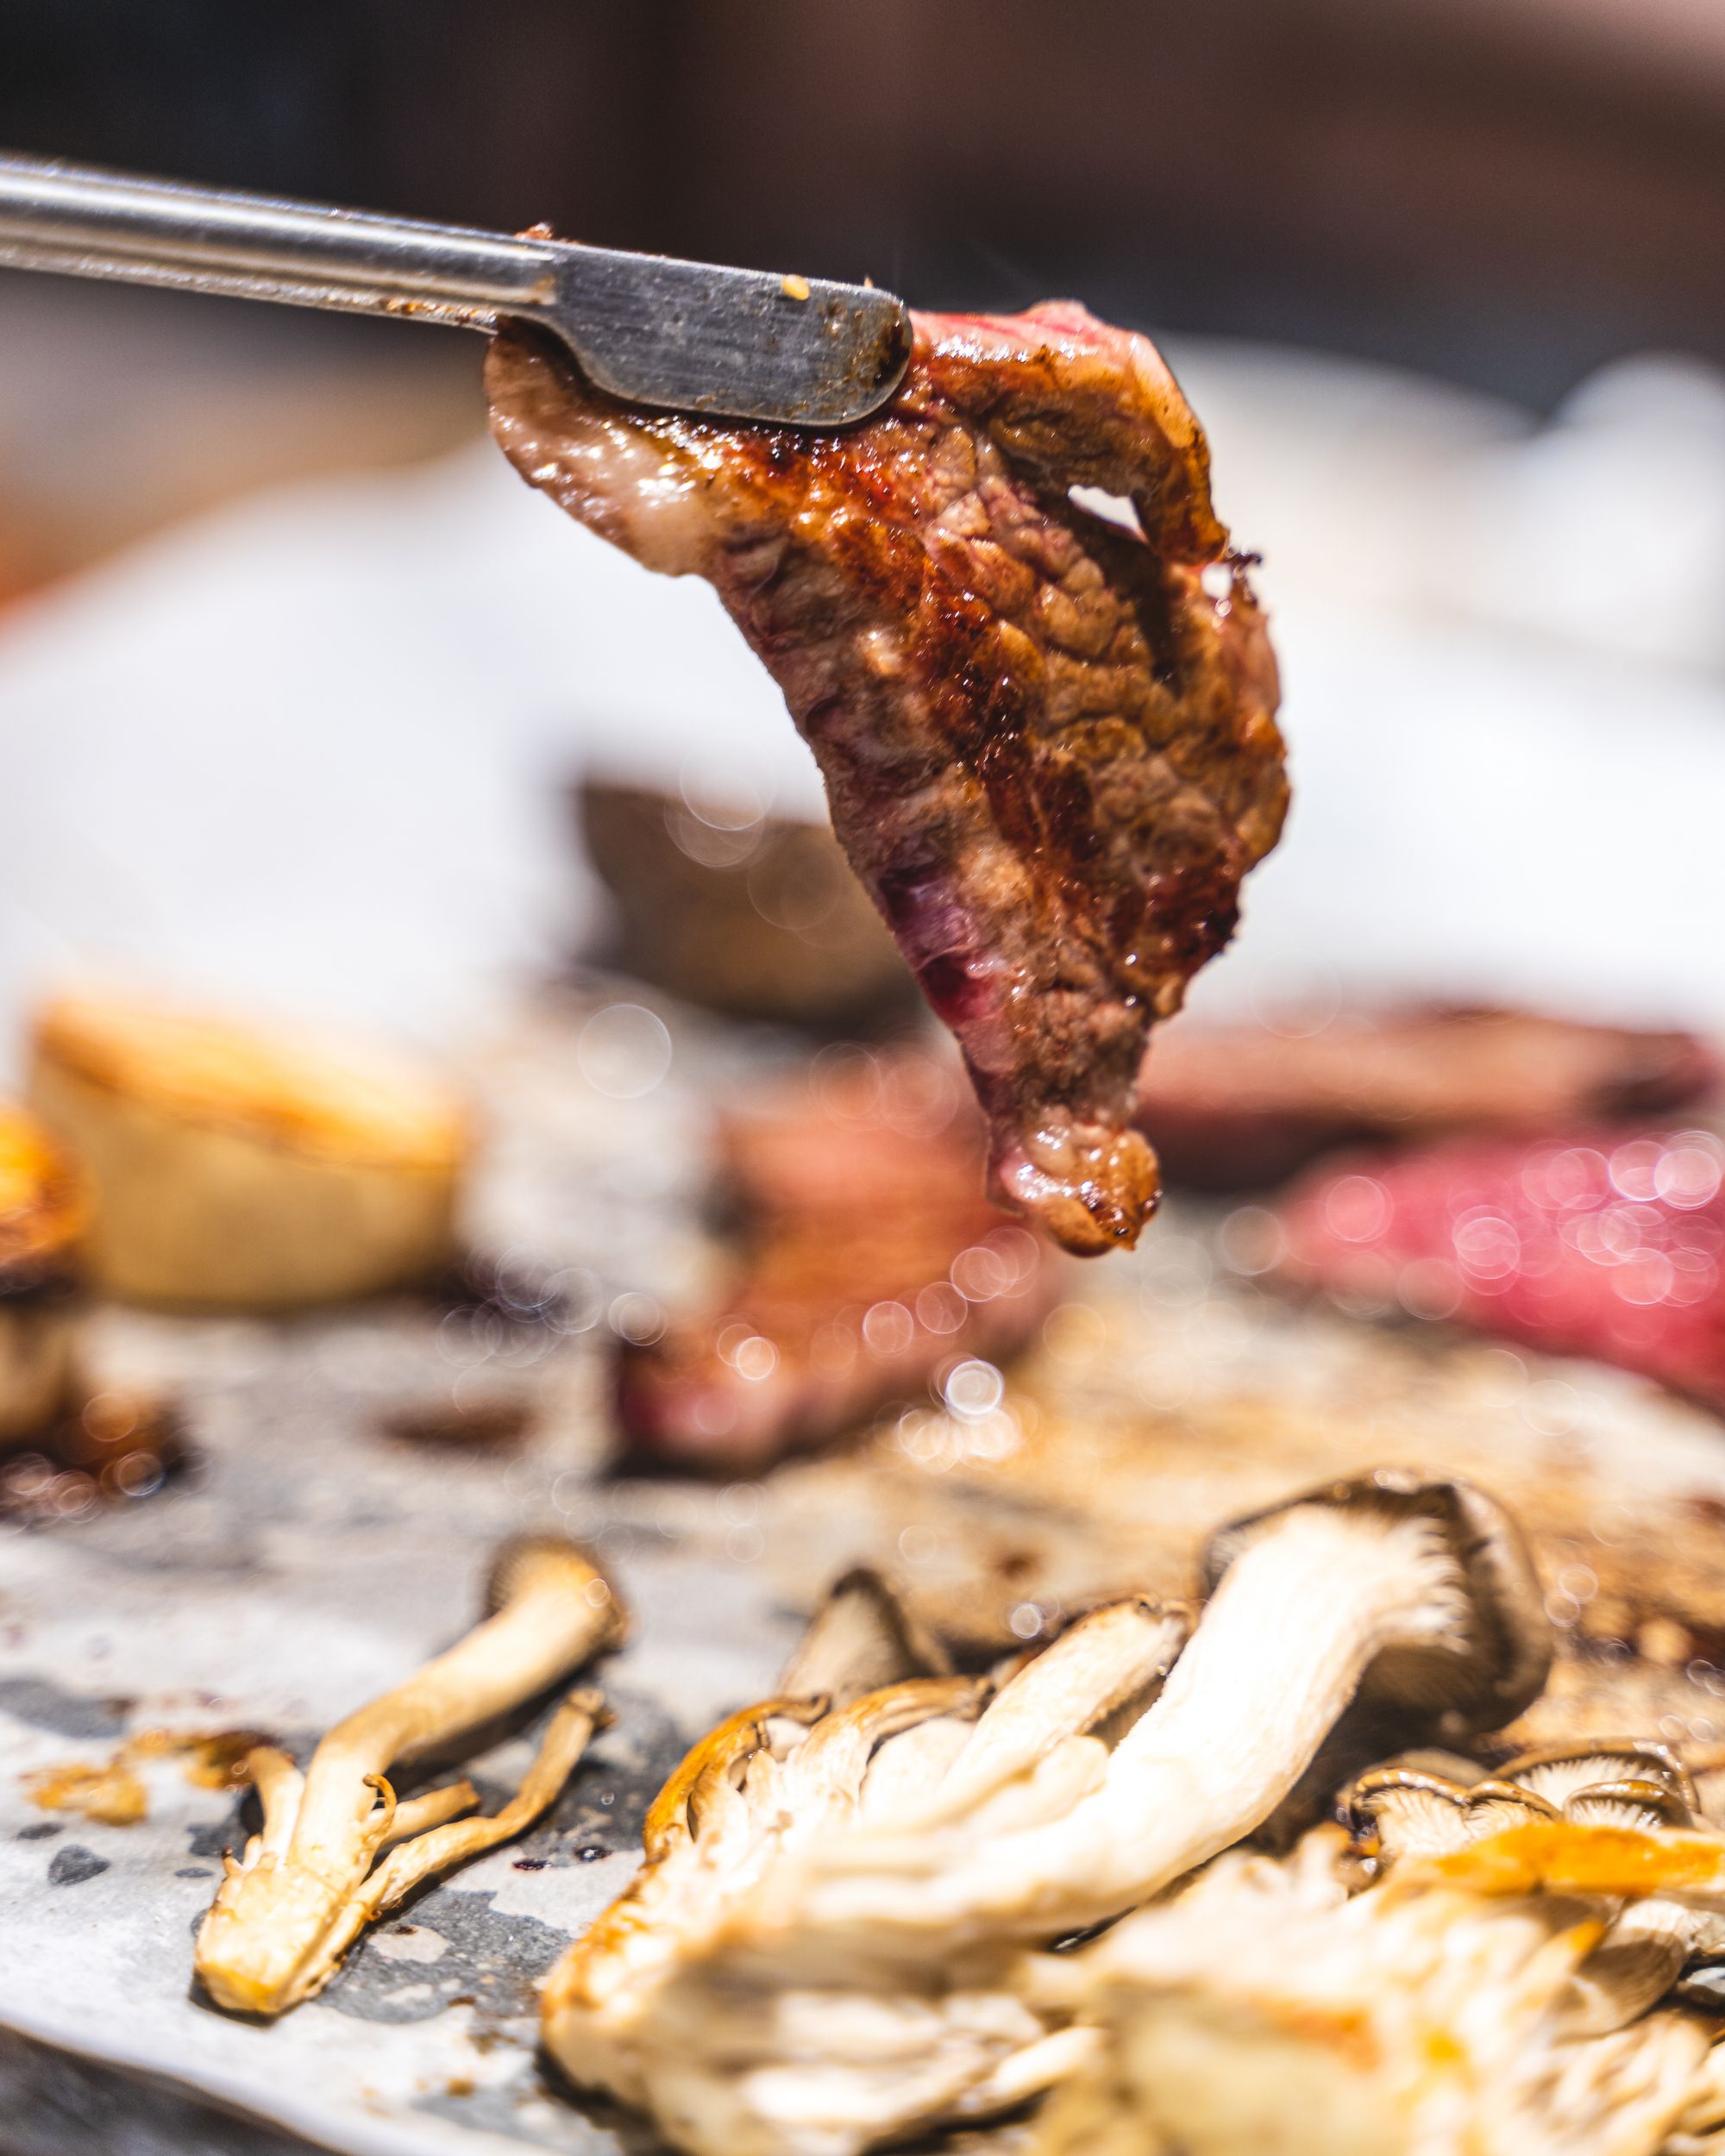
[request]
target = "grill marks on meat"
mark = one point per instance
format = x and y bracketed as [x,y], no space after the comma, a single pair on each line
[867,1261]
[1048,742]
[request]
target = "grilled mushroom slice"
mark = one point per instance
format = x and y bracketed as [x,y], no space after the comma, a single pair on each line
[1263,2010]
[756,1781]
[1413,1595]
[233,1168]
[41,1221]
[733,2060]
[285,1912]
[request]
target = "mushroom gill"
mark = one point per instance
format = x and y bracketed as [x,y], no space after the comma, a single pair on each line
[1265,2008]
[1623,1786]
[315,1875]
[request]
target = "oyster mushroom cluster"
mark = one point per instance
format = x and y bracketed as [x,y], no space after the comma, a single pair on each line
[867,1720]
[1637,1787]
[819,1954]
[1505,1982]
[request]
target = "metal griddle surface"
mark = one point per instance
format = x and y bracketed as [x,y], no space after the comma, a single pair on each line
[315,1558]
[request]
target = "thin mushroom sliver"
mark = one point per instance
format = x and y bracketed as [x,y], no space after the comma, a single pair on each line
[308,1884]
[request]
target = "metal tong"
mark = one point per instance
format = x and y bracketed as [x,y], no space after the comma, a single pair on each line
[743,344]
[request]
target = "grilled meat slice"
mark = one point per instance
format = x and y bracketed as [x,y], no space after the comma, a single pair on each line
[1238,1107]
[1048,740]
[868,1259]
[1608,1243]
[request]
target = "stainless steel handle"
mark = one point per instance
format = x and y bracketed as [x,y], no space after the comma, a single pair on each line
[692,336]
[59,217]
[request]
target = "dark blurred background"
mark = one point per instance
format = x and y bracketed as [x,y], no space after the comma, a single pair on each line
[1504,191]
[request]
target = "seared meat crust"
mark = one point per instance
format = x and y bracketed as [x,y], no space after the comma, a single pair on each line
[1048,740]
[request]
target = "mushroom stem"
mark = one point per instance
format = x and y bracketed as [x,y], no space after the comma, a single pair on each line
[1109,1656]
[1320,1593]
[280,1785]
[566,1738]
[431,1809]
[553,1610]
[281,1921]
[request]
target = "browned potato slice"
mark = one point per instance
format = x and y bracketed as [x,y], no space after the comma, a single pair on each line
[41,1220]
[237,1169]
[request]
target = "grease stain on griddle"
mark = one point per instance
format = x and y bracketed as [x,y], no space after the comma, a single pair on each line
[480,1425]
[534,2105]
[499,1960]
[45,1705]
[521,1297]
[117,1450]
[75,1863]
[228,1831]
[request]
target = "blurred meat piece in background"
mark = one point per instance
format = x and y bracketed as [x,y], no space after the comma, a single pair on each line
[866,1261]
[1605,1244]
[1239,1108]
[754,915]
